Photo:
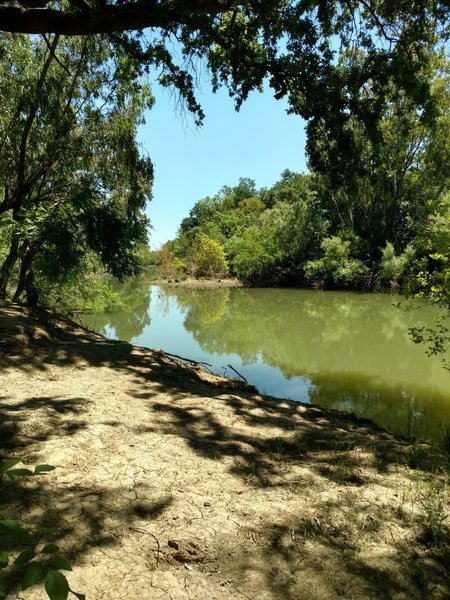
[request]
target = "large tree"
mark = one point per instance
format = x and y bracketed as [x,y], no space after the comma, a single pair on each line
[72,178]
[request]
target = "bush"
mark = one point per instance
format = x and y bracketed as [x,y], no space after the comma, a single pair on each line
[208,257]
[336,269]
[393,268]
[254,256]
[168,264]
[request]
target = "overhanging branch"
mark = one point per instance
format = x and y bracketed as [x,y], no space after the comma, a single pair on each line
[108,18]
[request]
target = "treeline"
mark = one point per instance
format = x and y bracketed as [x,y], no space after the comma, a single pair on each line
[373,219]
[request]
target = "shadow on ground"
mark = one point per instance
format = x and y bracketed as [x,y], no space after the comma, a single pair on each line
[86,519]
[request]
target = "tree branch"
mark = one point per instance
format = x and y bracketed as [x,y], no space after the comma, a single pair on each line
[50,49]
[108,18]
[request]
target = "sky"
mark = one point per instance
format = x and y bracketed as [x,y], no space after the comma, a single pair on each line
[260,141]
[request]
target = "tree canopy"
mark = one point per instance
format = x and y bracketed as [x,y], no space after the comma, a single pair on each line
[303,49]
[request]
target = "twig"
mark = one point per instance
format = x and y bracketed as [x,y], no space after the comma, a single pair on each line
[237,373]
[242,593]
[153,536]
[189,360]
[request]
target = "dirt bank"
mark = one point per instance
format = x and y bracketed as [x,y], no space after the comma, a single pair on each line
[174,484]
[209,283]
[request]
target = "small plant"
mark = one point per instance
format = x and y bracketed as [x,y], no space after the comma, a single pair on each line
[432,502]
[34,557]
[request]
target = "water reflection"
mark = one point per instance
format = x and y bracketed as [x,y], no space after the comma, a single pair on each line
[343,351]
[125,324]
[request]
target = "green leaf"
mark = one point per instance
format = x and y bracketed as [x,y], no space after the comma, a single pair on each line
[56,586]
[8,464]
[50,549]
[4,559]
[25,557]
[14,532]
[2,589]
[48,532]
[13,473]
[34,573]
[79,596]
[58,562]
[43,469]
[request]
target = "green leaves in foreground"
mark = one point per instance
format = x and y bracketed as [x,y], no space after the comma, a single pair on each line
[6,469]
[37,558]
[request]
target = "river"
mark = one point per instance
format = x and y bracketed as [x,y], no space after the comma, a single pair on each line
[340,350]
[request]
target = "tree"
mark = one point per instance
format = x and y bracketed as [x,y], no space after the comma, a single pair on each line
[208,257]
[73,180]
[386,189]
[291,44]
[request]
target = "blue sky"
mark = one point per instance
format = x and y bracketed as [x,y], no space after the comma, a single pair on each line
[190,163]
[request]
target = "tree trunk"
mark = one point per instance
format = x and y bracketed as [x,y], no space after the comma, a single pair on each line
[31,290]
[8,265]
[26,275]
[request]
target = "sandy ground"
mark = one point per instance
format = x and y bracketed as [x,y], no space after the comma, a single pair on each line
[174,484]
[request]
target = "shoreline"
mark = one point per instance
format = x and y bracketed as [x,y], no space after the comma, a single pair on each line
[230,283]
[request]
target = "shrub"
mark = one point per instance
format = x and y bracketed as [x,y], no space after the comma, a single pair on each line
[336,269]
[393,268]
[208,257]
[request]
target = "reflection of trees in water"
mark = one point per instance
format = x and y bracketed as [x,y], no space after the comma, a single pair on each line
[354,347]
[210,311]
[163,301]
[301,332]
[390,405]
[128,323]
[203,306]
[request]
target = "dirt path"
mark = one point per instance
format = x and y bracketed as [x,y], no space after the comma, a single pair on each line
[170,484]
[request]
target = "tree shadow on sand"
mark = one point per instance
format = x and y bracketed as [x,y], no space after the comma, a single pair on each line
[88,520]
[52,416]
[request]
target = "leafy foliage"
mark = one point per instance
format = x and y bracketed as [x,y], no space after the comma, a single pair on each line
[208,257]
[35,558]
[304,50]
[392,267]
[336,268]
[74,181]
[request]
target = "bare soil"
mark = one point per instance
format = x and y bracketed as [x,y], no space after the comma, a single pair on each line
[192,282]
[175,484]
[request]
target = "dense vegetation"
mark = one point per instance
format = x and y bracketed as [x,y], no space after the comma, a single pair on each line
[377,219]
[73,181]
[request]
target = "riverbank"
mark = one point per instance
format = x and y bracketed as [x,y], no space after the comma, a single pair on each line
[174,483]
[192,282]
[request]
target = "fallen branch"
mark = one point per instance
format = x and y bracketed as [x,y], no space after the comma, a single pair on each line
[237,373]
[189,360]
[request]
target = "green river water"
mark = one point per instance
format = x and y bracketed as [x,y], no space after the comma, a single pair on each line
[340,350]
